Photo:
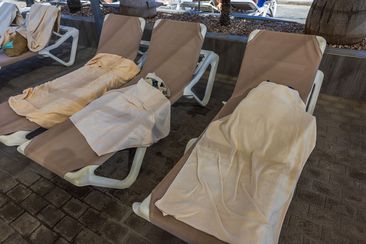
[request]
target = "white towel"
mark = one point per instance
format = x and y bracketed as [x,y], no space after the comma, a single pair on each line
[134,116]
[240,178]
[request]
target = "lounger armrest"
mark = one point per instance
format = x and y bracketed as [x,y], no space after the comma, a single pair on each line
[315,91]
[66,32]
[209,58]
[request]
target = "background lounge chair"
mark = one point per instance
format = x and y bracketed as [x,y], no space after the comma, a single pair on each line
[62,36]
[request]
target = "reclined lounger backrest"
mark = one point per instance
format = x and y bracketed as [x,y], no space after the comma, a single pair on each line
[173,54]
[121,35]
[284,58]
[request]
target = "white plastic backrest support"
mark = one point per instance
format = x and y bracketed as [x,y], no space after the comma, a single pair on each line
[203,30]
[322,43]
[157,22]
[253,34]
[142,24]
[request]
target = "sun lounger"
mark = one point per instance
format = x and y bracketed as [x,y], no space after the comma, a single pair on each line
[64,33]
[113,40]
[294,64]
[173,55]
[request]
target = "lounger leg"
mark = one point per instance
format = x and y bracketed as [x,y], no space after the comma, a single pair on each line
[15,139]
[210,59]
[86,176]
[142,209]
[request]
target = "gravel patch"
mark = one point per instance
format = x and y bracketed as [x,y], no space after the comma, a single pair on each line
[237,26]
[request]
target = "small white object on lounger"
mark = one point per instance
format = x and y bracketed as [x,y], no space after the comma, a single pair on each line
[134,116]
[240,178]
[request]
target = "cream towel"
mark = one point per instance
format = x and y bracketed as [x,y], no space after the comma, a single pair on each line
[241,176]
[38,27]
[9,14]
[135,116]
[53,102]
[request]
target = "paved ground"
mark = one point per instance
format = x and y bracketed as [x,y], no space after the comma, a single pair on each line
[39,207]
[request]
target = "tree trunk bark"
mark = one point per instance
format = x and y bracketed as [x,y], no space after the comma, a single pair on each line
[338,21]
[225,12]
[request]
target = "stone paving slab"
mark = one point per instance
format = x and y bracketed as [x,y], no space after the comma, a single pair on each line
[37,206]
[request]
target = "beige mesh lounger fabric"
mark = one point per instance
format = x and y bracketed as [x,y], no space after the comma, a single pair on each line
[113,40]
[266,58]
[173,55]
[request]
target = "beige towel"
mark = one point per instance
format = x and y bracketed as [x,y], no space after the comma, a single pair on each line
[241,176]
[53,102]
[9,14]
[135,116]
[39,25]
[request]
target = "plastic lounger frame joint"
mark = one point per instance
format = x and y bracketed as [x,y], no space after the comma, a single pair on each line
[66,32]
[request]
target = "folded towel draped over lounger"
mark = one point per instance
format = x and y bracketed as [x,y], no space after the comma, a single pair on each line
[53,102]
[37,28]
[243,171]
[134,116]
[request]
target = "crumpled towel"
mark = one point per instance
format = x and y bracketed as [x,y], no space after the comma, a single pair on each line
[38,27]
[134,116]
[239,180]
[55,101]
[9,14]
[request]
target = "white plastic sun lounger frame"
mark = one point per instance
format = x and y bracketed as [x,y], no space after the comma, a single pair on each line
[70,32]
[86,176]
[142,209]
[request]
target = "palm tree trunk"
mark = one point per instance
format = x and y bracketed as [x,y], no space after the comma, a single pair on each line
[225,12]
[338,21]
